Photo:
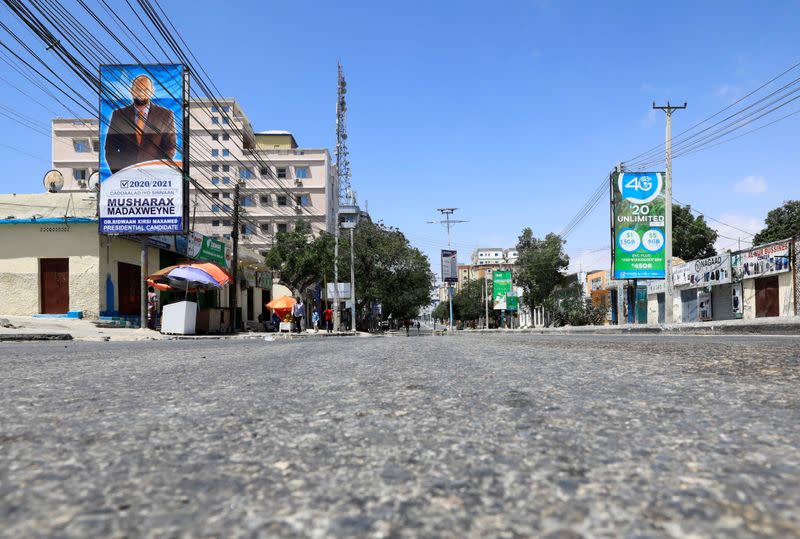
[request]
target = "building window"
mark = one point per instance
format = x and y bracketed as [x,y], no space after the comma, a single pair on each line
[226,108]
[245,173]
[215,195]
[214,168]
[226,207]
[248,201]
[226,222]
[264,172]
[215,222]
[264,227]
[95,145]
[214,120]
[226,236]
[264,199]
[226,137]
[226,195]
[215,180]
[226,153]
[283,227]
[226,168]
[80,174]
[215,137]
[215,208]
[226,120]
[281,173]
[301,173]
[226,180]
[215,153]
[303,200]
[214,108]
[81,145]
[282,201]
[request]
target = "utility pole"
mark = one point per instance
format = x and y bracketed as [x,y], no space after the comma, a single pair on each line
[669,291]
[234,290]
[447,212]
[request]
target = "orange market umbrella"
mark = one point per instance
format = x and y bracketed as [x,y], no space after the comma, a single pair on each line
[282,303]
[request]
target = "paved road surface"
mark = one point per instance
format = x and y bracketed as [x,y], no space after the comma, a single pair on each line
[476,436]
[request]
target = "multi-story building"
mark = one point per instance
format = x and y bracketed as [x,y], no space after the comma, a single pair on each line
[279,182]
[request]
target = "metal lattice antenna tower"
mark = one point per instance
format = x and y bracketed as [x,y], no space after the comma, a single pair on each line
[342,153]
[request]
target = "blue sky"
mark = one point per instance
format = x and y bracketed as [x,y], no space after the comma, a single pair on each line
[511,112]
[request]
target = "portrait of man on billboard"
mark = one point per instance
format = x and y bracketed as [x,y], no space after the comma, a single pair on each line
[140,131]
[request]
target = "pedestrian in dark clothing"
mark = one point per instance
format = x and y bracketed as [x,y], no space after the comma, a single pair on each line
[298,312]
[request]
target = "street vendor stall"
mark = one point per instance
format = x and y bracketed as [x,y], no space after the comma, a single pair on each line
[180,318]
[282,306]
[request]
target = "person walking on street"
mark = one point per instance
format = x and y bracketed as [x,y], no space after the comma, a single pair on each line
[327,315]
[315,320]
[298,312]
[152,307]
[418,325]
[407,324]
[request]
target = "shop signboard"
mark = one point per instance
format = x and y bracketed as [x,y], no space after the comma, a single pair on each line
[344,291]
[761,261]
[501,286]
[202,247]
[638,242]
[512,302]
[264,280]
[142,145]
[704,272]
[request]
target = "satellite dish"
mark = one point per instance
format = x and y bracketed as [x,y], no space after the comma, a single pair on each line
[53,181]
[94,181]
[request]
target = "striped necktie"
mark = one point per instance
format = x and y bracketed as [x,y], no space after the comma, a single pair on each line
[139,126]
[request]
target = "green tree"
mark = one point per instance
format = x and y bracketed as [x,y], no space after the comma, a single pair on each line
[388,270]
[692,238]
[301,259]
[469,301]
[782,223]
[442,311]
[539,266]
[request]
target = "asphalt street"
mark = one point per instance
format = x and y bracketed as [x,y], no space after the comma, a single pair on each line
[459,436]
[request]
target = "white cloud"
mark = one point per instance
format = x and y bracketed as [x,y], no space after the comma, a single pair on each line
[649,119]
[751,185]
[738,230]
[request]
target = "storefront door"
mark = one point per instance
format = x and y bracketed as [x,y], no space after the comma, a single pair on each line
[54,285]
[130,291]
[767,303]
[689,305]
[661,310]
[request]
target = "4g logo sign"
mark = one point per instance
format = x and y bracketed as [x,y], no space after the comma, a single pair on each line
[640,188]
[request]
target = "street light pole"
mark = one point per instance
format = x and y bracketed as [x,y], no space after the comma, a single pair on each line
[447,212]
[669,291]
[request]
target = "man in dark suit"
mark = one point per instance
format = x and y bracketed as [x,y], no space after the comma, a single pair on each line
[140,132]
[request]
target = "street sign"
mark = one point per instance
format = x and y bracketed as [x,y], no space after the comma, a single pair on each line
[512,303]
[638,235]
[449,266]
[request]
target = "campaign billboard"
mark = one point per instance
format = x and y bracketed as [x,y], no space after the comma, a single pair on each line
[449,266]
[143,146]
[638,236]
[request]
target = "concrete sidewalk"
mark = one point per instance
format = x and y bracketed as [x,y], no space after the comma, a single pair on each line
[786,325]
[27,328]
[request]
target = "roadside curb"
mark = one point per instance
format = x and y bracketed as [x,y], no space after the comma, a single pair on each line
[718,329]
[21,337]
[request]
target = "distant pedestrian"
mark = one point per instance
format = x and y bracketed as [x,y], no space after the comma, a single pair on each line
[298,312]
[315,320]
[152,307]
[327,316]
[418,326]
[407,324]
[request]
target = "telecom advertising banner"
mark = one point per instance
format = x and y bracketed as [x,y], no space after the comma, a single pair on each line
[449,266]
[711,271]
[761,261]
[143,121]
[501,287]
[637,211]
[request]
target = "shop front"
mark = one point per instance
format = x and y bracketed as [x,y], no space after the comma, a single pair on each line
[766,277]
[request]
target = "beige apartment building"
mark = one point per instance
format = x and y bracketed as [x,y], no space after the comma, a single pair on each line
[279,181]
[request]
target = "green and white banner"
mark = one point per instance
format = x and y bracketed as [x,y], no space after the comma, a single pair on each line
[501,286]
[637,206]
